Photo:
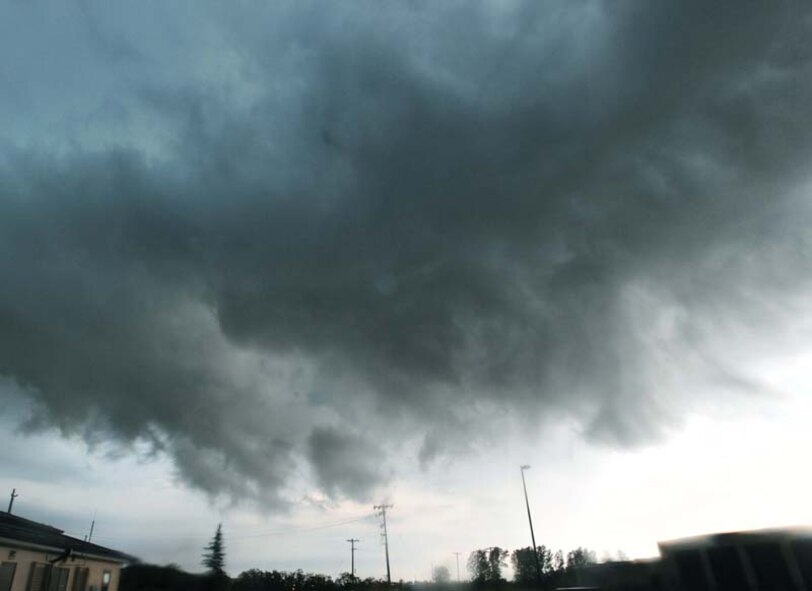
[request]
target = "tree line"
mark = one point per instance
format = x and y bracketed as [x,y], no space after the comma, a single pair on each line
[543,567]
[144,577]
[540,568]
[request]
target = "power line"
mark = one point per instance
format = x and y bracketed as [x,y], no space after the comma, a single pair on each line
[254,533]
[302,529]
[382,512]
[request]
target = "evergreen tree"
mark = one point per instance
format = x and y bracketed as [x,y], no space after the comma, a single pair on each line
[214,558]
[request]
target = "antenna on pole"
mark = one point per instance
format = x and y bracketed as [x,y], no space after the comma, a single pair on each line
[14,495]
[352,555]
[381,509]
[92,525]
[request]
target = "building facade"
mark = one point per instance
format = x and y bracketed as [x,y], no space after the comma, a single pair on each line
[38,557]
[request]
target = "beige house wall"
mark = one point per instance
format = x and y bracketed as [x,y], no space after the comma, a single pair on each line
[24,557]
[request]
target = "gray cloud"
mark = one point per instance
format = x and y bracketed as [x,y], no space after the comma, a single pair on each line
[344,463]
[421,213]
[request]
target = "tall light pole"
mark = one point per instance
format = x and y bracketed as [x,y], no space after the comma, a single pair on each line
[530,521]
[457,554]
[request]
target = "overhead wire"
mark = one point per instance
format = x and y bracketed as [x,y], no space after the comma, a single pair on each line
[252,534]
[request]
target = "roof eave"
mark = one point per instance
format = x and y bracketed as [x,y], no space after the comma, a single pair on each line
[53,549]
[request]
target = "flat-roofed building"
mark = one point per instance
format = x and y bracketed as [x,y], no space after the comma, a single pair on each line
[774,559]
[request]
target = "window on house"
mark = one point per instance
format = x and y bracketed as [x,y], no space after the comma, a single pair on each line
[106,580]
[38,577]
[59,579]
[79,579]
[7,570]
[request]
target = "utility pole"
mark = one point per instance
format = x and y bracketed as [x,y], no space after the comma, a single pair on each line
[530,520]
[352,555]
[457,554]
[14,495]
[381,509]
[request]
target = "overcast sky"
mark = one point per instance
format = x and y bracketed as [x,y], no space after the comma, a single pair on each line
[272,263]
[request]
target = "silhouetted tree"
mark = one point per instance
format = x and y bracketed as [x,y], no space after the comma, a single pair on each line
[346,579]
[250,580]
[478,565]
[214,559]
[150,577]
[440,575]
[558,561]
[257,580]
[486,564]
[524,564]
[579,558]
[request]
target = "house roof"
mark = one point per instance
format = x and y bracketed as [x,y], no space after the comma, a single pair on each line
[19,529]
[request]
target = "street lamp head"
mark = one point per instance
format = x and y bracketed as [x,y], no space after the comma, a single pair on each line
[525,467]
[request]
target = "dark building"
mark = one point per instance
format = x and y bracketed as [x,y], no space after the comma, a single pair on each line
[764,560]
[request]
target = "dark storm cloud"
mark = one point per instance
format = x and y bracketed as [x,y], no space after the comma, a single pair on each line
[344,463]
[426,213]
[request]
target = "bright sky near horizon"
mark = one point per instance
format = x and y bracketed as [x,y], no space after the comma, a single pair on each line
[712,474]
[269,264]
